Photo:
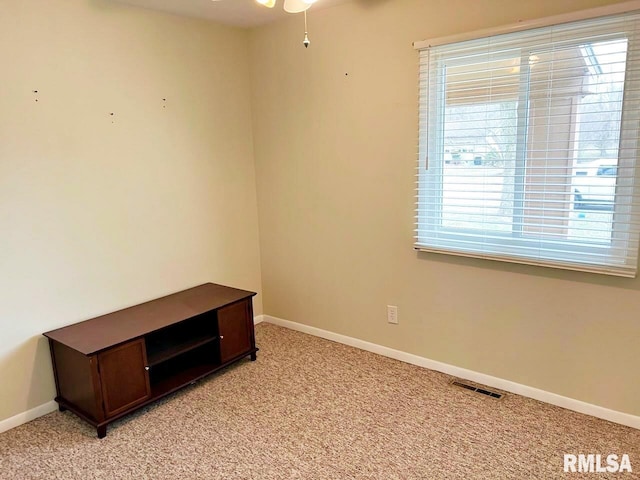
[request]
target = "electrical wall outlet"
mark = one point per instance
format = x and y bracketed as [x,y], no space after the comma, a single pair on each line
[392,314]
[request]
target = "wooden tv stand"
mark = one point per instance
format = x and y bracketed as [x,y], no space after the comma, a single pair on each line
[110,365]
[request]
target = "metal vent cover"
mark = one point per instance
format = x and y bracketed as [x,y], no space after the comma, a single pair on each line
[481,390]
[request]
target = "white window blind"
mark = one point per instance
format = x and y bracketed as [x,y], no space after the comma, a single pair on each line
[528,146]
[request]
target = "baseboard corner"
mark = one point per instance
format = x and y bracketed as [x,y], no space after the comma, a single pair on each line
[24,417]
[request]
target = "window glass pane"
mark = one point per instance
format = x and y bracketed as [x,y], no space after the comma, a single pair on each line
[600,109]
[479,161]
[574,92]
[598,119]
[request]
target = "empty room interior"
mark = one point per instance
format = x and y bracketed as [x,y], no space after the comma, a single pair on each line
[368,239]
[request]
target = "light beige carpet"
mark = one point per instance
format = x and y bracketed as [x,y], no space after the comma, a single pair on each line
[314,409]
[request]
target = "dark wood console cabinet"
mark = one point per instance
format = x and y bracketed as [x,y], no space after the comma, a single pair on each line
[108,366]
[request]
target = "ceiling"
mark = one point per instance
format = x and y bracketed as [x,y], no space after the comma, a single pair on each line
[241,13]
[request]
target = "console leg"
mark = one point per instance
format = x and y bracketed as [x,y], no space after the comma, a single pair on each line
[61,408]
[102,431]
[254,357]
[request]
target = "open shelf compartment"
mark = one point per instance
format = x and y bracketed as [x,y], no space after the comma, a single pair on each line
[183,369]
[170,342]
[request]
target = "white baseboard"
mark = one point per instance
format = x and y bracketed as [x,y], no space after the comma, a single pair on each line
[258,319]
[506,385]
[27,416]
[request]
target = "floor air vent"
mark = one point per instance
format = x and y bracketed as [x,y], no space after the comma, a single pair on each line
[482,391]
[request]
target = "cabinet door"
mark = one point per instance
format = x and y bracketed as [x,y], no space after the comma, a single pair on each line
[123,376]
[235,330]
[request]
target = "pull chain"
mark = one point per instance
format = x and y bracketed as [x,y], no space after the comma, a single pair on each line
[306,41]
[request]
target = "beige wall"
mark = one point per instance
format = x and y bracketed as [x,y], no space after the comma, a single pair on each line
[100,212]
[335,139]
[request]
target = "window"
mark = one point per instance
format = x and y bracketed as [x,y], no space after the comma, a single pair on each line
[528,145]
